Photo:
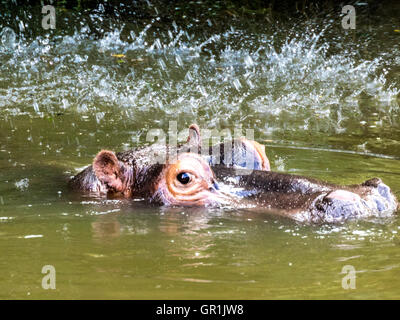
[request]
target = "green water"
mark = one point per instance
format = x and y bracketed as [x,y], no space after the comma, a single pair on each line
[326,106]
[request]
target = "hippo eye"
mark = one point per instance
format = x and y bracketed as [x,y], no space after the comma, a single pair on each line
[183,177]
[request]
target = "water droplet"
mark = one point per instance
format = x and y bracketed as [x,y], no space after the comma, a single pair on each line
[8,38]
[22,184]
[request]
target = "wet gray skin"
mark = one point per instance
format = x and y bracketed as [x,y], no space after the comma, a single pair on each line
[307,199]
[298,197]
[234,182]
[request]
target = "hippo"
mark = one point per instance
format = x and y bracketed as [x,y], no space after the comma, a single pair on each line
[237,176]
[144,163]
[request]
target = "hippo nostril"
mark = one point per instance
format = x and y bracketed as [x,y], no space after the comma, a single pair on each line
[374,182]
[322,204]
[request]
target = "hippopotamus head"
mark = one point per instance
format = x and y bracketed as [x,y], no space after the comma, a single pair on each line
[166,174]
[187,180]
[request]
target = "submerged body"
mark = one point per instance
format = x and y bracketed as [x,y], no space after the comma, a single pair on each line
[239,177]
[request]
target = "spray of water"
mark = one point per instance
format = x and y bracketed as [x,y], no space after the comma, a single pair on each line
[293,85]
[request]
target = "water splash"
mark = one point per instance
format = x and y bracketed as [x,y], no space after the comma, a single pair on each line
[22,184]
[295,85]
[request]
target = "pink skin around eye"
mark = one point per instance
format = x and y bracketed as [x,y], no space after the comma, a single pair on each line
[197,192]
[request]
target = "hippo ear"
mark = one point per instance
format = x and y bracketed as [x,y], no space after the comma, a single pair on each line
[108,170]
[194,135]
[261,161]
[260,148]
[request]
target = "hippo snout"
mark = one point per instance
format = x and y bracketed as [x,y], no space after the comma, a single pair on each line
[375,199]
[381,194]
[338,205]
